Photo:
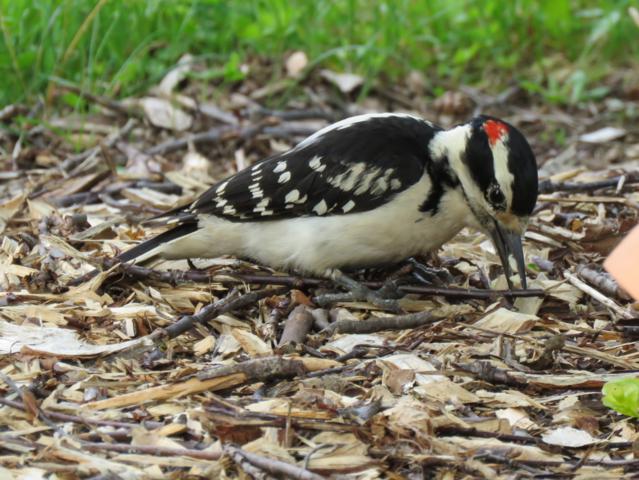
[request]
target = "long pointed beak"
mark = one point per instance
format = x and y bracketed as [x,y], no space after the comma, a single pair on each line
[507,243]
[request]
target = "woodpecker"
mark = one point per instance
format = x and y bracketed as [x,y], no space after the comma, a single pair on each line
[366,191]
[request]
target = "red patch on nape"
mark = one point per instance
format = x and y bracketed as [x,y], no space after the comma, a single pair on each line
[495,131]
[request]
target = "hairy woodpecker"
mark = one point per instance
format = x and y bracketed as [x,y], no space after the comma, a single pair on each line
[368,190]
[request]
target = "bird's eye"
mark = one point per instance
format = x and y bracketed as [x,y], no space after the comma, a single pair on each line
[496,196]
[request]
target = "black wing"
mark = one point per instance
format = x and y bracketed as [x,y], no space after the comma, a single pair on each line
[352,166]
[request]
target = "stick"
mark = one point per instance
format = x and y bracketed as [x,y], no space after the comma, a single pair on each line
[63,417]
[292,115]
[297,326]
[210,136]
[75,160]
[258,369]
[397,322]
[548,186]
[597,295]
[491,374]
[272,466]
[174,277]
[150,450]
[603,281]
[217,134]
[114,105]
[228,303]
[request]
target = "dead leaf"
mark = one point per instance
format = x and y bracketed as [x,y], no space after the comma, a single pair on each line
[59,342]
[346,82]
[507,321]
[251,343]
[344,452]
[296,63]
[163,114]
[568,437]
[603,135]
[176,75]
[9,208]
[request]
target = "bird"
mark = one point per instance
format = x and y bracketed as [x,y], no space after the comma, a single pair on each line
[369,190]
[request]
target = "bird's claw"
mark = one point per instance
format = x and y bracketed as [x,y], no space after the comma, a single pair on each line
[385,298]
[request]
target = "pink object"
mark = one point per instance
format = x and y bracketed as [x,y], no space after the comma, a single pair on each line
[623,263]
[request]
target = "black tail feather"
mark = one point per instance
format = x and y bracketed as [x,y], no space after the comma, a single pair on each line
[177,232]
[133,253]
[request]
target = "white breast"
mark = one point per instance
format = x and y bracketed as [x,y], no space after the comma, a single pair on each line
[390,233]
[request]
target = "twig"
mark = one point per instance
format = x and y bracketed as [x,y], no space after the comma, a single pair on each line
[226,132]
[75,160]
[258,369]
[460,293]
[548,186]
[272,466]
[29,402]
[603,281]
[150,450]
[228,303]
[220,378]
[292,115]
[176,276]
[454,430]
[250,470]
[397,322]
[490,457]
[245,418]
[94,195]
[297,325]
[597,295]
[210,136]
[63,417]
[491,374]
[104,101]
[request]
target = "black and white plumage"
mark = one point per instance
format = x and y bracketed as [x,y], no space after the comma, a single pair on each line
[365,191]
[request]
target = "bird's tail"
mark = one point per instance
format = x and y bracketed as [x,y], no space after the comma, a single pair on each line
[145,250]
[153,246]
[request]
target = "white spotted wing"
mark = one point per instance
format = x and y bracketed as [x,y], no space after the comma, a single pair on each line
[352,166]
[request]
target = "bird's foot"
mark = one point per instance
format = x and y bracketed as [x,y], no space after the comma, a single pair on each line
[437,277]
[385,298]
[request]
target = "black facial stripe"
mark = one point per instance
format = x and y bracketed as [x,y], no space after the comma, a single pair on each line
[478,158]
[442,179]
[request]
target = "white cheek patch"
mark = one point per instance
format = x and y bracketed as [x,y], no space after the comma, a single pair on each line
[503,175]
[452,143]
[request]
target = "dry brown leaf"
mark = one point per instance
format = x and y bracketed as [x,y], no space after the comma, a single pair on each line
[344,453]
[507,450]
[507,321]
[251,343]
[9,208]
[434,386]
[517,418]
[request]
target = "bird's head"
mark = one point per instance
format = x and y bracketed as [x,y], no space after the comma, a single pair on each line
[498,173]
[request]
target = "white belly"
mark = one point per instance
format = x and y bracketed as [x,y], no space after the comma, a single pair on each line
[389,233]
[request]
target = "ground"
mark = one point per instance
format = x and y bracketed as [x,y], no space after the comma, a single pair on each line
[226,369]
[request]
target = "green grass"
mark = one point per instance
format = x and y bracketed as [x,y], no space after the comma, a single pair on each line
[561,49]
